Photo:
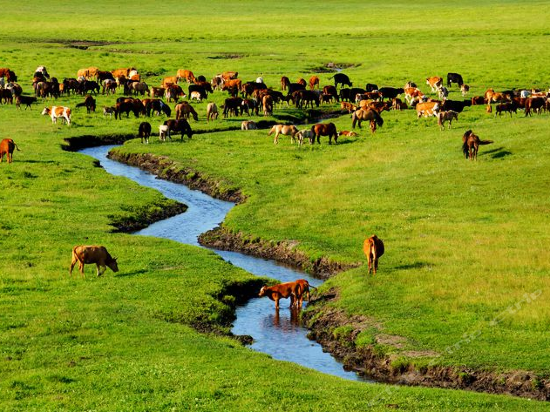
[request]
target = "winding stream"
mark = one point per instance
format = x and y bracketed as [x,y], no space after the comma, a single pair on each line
[276,334]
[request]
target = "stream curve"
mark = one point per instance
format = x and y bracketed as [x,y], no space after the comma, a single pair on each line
[276,333]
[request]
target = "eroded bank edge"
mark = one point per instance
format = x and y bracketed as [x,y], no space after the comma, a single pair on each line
[322,320]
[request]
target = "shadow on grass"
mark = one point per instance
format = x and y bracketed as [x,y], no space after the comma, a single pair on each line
[134,273]
[415,265]
[497,153]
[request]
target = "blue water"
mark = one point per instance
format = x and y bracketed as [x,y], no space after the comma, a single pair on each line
[276,333]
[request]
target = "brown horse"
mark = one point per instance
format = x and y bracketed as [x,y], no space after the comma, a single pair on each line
[325,129]
[471,143]
[447,116]
[287,130]
[183,110]
[285,81]
[371,115]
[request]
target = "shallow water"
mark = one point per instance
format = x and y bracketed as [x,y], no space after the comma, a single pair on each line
[276,333]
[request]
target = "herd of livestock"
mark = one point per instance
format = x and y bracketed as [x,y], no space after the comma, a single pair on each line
[256,98]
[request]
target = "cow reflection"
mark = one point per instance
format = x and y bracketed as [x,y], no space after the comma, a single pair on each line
[286,323]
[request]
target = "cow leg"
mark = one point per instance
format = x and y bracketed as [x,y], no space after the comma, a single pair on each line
[276,299]
[81,268]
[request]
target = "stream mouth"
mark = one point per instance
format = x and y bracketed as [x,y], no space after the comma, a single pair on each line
[276,333]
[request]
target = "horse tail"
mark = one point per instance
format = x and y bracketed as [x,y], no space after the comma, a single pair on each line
[465,148]
[485,142]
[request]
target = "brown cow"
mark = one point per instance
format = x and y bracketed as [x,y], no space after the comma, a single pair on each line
[6,148]
[122,72]
[93,254]
[187,75]
[169,80]
[230,75]
[280,291]
[373,248]
[427,109]
[435,83]
[348,107]
[313,81]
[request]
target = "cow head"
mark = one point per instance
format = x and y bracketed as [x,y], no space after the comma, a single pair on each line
[262,291]
[112,264]
[46,111]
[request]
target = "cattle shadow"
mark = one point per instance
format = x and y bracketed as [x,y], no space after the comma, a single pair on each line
[133,273]
[415,265]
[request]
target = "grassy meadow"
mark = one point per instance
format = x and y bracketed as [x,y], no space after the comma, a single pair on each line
[466,242]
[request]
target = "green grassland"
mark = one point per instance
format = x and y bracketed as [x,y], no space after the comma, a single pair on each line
[465,241]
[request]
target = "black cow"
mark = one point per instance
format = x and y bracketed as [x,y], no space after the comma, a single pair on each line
[292,87]
[454,78]
[390,92]
[198,88]
[354,91]
[371,87]
[455,105]
[341,78]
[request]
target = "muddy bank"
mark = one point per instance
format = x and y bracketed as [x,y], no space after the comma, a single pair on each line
[142,218]
[165,168]
[221,238]
[337,332]
[282,251]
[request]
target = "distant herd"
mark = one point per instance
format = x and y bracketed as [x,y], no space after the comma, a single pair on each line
[253,97]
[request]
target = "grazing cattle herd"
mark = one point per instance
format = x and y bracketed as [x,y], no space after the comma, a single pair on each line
[256,97]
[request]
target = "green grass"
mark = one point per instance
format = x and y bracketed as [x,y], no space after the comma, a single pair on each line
[464,240]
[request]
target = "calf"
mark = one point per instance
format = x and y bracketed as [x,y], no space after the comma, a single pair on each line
[93,254]
[108,111]
[305,134]
[447,116]
[26,100]
[211,111]
[163,132]
[281,291]
[249,125]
